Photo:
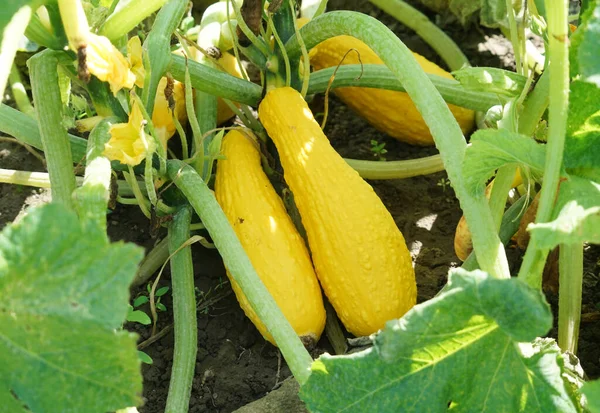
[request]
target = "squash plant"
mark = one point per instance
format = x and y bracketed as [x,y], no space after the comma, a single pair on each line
[476,346]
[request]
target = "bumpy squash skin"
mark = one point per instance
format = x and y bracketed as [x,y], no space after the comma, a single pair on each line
[359,254]
[391,112]
[276,250]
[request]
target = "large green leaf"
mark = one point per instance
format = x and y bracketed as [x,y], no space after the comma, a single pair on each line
[589,58]
[468,347]
[591,390]
[64,293]
[492,148]
[577,215]
[582,145]
[491,79]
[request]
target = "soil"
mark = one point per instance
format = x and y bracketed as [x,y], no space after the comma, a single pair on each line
[235,365]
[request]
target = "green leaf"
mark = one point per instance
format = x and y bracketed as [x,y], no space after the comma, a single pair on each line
[578,38]
[466,346]
[491,79]
[582,145]
[589,58]
[136,316]
[591,390]
[64,293]
[494,13]
[464,9]
[145,358]
[493,148]
[576,218]
[142,299]
[161,291]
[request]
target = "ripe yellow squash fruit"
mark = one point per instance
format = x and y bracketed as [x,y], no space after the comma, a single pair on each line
[269,237]
[391,112]
[359,254]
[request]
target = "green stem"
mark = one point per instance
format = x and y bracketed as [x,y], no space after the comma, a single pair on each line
[514,35]
[259,43]
[508,228]
[502,184]
[380,77]
[127,15]
[42,180]
[55,140]
[427,30]
[236,260]
[397,169]
[535,105]
[19,92]
[37,32]
[205,103]
[216,82]
[152,262]
[184,314]
[570,264]
[558,53]
[91,199]
[444,128]
[158,45]
[15,28]
[25,129]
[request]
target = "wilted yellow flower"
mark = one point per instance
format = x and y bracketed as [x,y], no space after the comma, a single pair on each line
[134,55]
[162,117]
[107,63]
[128,142]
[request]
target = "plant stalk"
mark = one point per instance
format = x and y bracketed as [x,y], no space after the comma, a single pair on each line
[397,169]
[184,314]
[570,263]
[380,77]
[42,180]
[237,262]
[444,128]
[55,140]
[15,27]
[127,15]
[557,15]
[427,30]
[508,228]
[19,92]
[216,82]
[158,46]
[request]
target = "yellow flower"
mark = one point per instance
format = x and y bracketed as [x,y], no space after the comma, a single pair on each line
[162,117]
[134,55]
[108,64]
[128,142]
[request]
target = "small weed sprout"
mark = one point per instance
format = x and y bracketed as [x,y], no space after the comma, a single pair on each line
[378,150]
[444,183]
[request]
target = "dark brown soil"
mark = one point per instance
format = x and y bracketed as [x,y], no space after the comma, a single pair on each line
[235,365]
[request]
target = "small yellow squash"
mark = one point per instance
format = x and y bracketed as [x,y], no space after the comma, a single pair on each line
[391,112]
[359,253]
[269,237]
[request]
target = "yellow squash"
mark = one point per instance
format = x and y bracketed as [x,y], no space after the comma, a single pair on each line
[391,112]
[269,237]
[359,254]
